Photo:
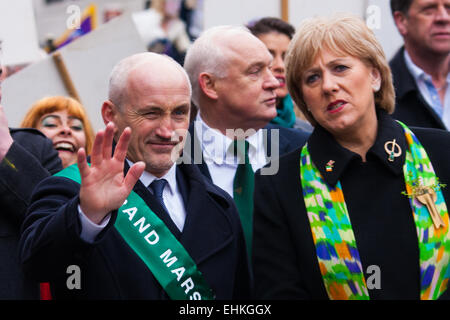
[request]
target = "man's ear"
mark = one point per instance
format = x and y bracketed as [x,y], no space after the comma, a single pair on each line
[207,83]
[109,111]
[401,21]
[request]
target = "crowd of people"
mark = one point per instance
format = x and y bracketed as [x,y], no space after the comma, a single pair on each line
[268,162]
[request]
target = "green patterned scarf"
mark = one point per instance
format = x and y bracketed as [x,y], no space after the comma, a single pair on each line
[336,249]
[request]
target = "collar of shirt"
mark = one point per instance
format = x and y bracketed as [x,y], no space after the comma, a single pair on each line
[420,77]
[323,148]
[216,146]
[171,195]
[417,73]
[147,178]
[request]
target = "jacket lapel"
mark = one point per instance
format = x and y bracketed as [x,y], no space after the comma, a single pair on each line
[194,152]
[283,143]
[207,228]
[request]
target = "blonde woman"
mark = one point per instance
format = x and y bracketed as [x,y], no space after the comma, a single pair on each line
[360,211]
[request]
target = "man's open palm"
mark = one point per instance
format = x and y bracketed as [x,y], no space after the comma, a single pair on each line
[103,186]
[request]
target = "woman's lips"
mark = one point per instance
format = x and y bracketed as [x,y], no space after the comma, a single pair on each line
[282,81]
[336,106]
[64,146]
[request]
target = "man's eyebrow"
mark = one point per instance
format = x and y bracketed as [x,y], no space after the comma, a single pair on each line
[184,105]
[148,107]
[428,5]
[259,64]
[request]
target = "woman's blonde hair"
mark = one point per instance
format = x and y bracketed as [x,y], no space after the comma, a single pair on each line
[343,35]
[59,103]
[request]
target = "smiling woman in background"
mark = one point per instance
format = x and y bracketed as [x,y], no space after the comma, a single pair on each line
[359,212]
[65,122]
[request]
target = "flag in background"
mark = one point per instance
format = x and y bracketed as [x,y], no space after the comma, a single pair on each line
[88,22]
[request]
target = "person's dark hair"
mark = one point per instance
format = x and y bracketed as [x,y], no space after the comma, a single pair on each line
[269,24]
[401,5]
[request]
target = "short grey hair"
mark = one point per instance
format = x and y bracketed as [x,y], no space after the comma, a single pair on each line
[118,79]
[206,55]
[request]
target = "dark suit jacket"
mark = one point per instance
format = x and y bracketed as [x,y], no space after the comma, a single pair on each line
[410,107]
[284,255]
[30,159]
[289,139]
[110,269]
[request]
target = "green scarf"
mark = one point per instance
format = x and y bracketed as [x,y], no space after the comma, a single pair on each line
[335,243]
[285,115]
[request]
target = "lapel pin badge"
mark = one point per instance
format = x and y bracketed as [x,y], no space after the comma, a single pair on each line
[330,165]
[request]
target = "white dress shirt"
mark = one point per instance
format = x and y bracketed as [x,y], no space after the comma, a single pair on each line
[171,196]
[221,162]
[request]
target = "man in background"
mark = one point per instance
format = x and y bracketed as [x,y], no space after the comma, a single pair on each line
[234,91]
[421,67]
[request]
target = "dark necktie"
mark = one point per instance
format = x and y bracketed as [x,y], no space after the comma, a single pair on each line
[157,187]
[243,186]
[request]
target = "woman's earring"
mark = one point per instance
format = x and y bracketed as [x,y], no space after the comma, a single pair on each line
[376,87]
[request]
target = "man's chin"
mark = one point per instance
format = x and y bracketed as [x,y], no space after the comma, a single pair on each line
[441,48]
[158,168]
[271,116]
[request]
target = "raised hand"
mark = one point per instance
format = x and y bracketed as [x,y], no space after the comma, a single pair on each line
[5,137]
[103,186]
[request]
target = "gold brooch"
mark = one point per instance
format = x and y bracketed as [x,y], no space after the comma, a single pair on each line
[391,151]
[426,195]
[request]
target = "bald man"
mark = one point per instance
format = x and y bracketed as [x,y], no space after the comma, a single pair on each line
[131,223]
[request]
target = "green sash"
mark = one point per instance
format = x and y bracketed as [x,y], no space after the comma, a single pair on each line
[152,241]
